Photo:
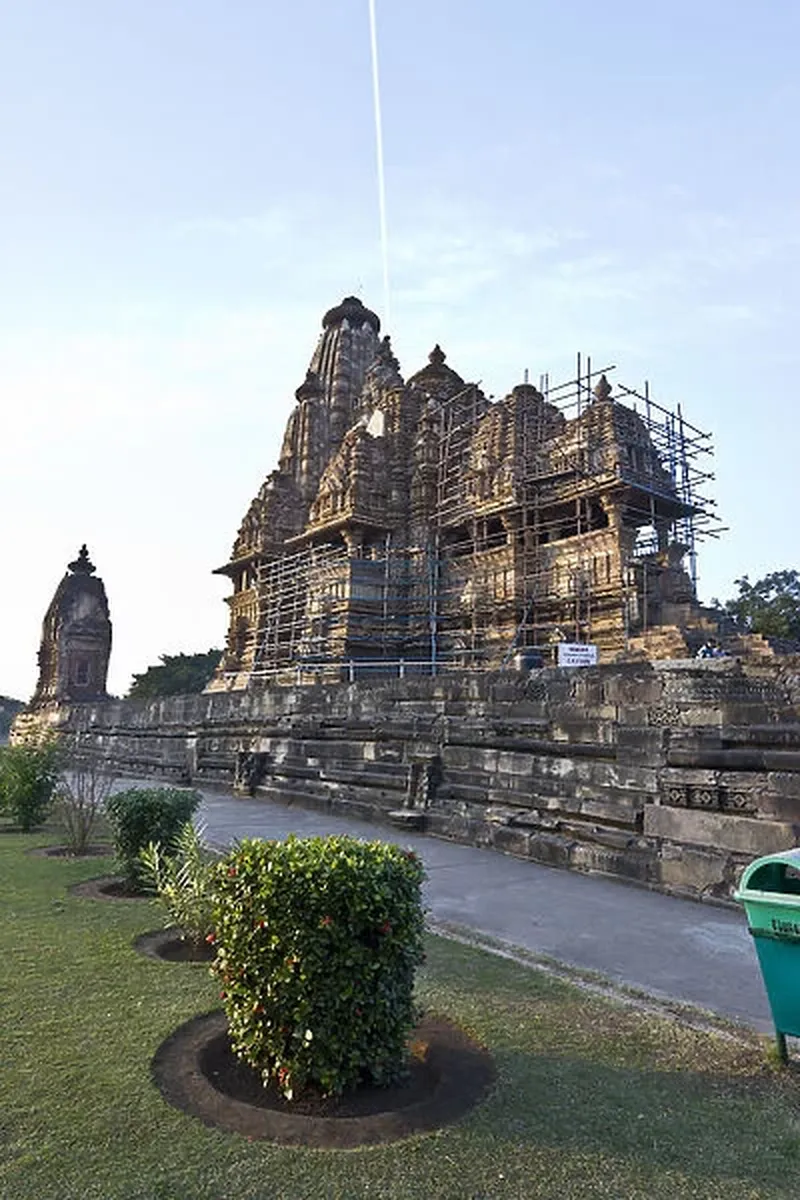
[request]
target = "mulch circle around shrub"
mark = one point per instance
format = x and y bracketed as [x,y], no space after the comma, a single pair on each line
[197,1072]
[95,850]
[108,887]
[170,946]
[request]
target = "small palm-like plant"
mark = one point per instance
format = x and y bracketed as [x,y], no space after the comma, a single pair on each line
[182,877]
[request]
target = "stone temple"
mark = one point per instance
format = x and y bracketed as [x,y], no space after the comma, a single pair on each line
[417,535]
[76,638]
[415,525]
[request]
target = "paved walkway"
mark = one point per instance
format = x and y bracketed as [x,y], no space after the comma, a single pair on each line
[674,949]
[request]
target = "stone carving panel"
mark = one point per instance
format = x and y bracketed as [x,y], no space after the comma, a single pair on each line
[716,799]
[665,715]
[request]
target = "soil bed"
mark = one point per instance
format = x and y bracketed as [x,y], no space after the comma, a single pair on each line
[93,850]
[170,946]
[196,1071]
[108,887]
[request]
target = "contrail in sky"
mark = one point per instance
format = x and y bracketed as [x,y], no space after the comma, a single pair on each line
[376,94]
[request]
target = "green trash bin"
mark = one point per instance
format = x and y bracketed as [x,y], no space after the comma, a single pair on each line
[770,892]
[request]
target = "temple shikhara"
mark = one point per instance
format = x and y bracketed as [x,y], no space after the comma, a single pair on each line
[76,638]
[415,524]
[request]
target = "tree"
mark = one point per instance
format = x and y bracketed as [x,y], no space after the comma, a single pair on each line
[8,710]
[770,605]
[178,674]
[28,775]
[83,787]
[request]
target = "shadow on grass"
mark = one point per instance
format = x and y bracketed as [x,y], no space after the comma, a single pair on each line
[713,1126]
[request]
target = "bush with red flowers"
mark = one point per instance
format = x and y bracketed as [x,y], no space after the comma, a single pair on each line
[317,943]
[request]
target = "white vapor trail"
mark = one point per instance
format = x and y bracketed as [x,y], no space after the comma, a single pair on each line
[376,95]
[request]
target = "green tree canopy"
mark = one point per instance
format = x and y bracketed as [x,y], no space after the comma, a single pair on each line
[8,710]
[178,674]
[770,605]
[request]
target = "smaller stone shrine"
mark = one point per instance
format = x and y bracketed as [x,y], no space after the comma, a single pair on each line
[76,638]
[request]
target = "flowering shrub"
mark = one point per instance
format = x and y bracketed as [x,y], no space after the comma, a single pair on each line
[317,942]
[139,816]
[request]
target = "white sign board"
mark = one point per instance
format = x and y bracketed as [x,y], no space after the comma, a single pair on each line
[577,654]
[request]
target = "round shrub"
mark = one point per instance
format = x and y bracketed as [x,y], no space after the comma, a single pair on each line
[139,816]
[317,943]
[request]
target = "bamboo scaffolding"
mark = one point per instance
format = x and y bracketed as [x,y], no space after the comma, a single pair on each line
[474,581]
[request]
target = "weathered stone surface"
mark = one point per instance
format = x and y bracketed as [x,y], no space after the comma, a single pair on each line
[639,744]
[550,849]
[774,805]
[693,872]
[373,750]
[600,860]
[723,831]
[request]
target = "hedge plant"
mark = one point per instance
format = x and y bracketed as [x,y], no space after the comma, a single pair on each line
[317,943]
[138,816]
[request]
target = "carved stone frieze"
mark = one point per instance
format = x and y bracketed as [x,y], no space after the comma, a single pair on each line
[667,715]
[719,799]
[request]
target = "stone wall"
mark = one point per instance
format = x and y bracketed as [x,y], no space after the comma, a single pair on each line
[672,774]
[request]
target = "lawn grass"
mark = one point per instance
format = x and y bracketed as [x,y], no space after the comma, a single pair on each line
[592,1099]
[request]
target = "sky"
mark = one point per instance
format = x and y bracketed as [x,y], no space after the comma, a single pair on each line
[187,186]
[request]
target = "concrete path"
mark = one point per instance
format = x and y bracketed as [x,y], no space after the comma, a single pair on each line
[678,950]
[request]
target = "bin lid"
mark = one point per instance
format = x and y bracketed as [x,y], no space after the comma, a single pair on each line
[773,875]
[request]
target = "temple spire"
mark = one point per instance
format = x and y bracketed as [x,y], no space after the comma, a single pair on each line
[76,638]
[82,565]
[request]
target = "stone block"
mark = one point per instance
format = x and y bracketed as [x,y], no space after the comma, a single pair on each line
[693,871]
[469,758]
[497,814]
[578,728]
[694,739]
[616,839]
[627,812]
[455,792]
[722,831]
[633,687]
[627,777]
[629,864]
[549,849]
[509,791]
[641,745]
[784,783]
[698,716]
[596,835]
[535,818]
[687,777]
[511,840]
[776,735]
[635,715]
[777,806]
[588,689]
[509,763]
